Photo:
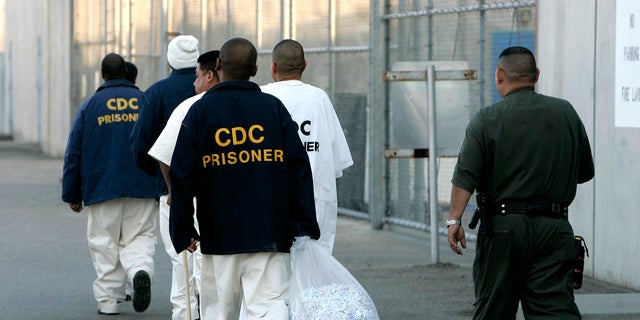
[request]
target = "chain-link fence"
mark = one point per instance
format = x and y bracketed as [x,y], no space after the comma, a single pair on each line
[336,37]
[469,31]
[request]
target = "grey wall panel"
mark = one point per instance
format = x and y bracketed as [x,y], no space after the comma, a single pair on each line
[576,54]
[617,168]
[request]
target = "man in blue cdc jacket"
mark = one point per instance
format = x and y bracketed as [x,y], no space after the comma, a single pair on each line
[99,171]
[238,152]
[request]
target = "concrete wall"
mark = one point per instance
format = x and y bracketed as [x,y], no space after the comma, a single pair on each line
[37,65]
[576,56]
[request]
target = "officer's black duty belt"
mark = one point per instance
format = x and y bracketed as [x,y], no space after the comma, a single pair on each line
[553,210]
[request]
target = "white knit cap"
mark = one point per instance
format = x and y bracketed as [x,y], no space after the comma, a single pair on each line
[182,52]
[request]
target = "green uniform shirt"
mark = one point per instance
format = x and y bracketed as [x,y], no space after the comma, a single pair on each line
[526,146]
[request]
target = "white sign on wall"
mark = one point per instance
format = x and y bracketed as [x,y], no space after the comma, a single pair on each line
[627,83]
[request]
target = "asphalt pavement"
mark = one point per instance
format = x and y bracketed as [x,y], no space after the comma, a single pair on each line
[46,270]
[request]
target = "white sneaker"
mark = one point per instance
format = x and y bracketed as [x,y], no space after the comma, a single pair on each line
[109,307]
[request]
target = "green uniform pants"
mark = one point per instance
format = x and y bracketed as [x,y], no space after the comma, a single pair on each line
[527,259]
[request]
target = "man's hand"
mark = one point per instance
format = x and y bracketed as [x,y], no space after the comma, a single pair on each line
[459,200]
[76,207]
[455,234]
[193,246]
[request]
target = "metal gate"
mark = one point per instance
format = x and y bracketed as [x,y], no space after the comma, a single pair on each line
[469,31]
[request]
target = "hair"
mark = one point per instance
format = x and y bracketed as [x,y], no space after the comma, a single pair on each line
[288,56]
[238,59]
[132,72]
[207,61]
[518,64]
[113,67]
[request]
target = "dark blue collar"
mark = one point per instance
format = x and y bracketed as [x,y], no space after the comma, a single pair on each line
[235,85]
[122,82]
[190,70]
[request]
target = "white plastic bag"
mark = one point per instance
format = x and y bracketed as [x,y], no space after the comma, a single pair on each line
[321,288]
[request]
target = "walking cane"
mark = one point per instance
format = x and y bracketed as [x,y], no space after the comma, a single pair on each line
[186,283]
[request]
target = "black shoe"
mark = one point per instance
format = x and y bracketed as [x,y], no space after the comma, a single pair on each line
[108,313]
[141,291]
[127,298]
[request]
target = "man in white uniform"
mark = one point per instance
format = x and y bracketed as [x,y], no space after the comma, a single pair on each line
[319,130]
[162,149]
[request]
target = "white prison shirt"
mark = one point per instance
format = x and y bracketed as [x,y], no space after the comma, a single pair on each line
[162,149]
[319,130]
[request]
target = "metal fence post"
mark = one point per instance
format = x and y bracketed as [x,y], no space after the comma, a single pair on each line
[433,159]
[431,77]
[376,103]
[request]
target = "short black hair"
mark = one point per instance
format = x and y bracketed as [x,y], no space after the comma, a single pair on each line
[132,72]
[288,55]
[113,67]
[515,50]
[238,58]
[207,61]
[518,64]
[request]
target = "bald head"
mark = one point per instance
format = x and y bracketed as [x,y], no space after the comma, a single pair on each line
[288,57]
[518,65]
[238,59]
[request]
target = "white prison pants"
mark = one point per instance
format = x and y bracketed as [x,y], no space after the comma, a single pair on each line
[122,242]
[261,279]
[327,216]
[178,297]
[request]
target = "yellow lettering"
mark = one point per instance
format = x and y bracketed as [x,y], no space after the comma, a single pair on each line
[206,159]
[238,135]
[232,157]
[215,159]
[117,117]
[267,154]
[133,103]
[244,156]
[121,103]
[252,137]
[219,141]
[234,134]
[256,155]
[111,104]
[278,155]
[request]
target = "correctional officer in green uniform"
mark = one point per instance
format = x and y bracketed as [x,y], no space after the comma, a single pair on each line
[525,154]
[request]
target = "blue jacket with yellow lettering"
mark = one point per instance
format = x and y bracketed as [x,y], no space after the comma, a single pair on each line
[156,106]
[98,162]
[238,152]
